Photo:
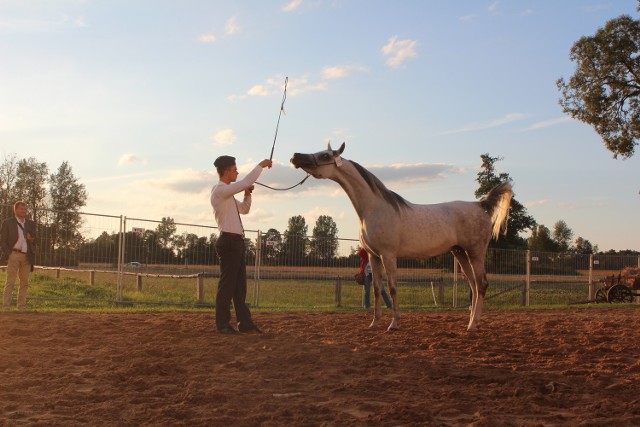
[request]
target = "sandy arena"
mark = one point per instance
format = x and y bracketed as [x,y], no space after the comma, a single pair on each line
[575,367]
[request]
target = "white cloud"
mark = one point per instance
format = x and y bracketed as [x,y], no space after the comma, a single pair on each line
[258,90]
[493,7]
[129,159]
[340,71]
[534,203]
[182,181]
[292,5]
[275,86]
[225,137]
[41,25]
[508,118]
[398,50]
[80,22]
[468,18]
[548,123]
[207,38]
[231,27]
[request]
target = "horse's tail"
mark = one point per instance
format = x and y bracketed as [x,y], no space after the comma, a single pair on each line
[497,203]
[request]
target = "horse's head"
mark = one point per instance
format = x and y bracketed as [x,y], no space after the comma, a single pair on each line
[315,163]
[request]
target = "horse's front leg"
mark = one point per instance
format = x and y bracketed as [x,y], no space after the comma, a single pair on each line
[391,269]
[376,273]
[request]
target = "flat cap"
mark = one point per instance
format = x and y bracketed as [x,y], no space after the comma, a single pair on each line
[224,161]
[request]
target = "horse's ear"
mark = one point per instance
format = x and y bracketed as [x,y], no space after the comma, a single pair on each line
[341,148]
[329,146]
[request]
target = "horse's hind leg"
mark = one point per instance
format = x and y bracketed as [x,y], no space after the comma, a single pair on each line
[482,284]
[477,281]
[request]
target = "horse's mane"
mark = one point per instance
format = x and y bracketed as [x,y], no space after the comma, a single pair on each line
[395,200]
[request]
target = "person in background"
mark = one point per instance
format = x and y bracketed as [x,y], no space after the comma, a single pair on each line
[365,266]
[17,241]
[232,285]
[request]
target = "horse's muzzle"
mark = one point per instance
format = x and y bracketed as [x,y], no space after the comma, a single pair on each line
[301,160]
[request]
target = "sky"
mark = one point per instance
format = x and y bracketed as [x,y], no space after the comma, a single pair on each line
[141,96]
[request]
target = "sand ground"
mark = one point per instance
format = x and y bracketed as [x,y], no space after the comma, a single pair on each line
[574,367]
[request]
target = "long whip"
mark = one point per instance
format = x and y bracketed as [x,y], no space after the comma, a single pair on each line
[284,98]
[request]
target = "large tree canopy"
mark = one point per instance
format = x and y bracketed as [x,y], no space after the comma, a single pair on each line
[604,90]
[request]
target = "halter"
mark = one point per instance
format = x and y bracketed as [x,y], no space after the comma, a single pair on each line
[324,158]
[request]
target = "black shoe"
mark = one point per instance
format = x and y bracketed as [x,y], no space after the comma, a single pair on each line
[250,329]
[228,331]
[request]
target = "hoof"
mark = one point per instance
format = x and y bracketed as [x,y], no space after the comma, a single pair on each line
[392,328]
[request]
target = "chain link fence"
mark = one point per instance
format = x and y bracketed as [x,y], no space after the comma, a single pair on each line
[134,261]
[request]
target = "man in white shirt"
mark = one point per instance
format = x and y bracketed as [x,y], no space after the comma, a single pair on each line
[232,285]
[17,241]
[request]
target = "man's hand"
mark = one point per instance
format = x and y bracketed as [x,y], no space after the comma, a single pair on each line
[266,163]
[31,239]
[248,191]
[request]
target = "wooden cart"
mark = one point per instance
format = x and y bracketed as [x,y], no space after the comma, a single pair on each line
[624,288]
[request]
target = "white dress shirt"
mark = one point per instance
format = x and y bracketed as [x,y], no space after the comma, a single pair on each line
[226,208]
[21,243]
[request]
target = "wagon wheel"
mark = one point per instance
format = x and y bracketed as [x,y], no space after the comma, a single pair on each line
[619,293]
[601,296]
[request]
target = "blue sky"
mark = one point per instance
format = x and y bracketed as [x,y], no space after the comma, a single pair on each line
[140,97]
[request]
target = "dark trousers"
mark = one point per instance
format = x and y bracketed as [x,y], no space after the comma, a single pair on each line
[233,281]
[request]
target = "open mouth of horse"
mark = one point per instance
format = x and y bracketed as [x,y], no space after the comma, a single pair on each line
[302,161]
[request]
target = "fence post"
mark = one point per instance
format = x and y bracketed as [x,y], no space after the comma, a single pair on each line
[527,285]
[57,273]
[455,282]
[591,287]
[200,288]
[338,291]
[256,272]
[92,277]
[139,282]
[123,222]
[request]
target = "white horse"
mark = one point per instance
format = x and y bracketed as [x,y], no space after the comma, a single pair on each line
[392,228]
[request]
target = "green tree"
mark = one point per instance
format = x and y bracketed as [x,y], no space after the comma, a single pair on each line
[541,240]
[562,235]
[583,246]
[271,245]
[67,196]
[324,242]
[31,185]
[8,177]
[519,221]
[294,247]
[165,231]
[604,91]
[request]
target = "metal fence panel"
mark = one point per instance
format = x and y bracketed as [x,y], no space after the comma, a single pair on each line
[116,259]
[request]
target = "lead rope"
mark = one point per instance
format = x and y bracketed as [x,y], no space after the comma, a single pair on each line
[284,189]
[284,98]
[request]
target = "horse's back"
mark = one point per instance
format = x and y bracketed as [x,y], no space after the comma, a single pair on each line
[428,230]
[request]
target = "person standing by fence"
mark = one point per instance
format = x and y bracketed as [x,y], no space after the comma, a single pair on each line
[17,240]
[232,285]
[365,266]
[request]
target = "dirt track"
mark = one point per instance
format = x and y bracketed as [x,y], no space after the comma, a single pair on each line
[523,368]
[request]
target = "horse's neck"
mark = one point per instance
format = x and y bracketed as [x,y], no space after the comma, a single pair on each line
[364,200]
